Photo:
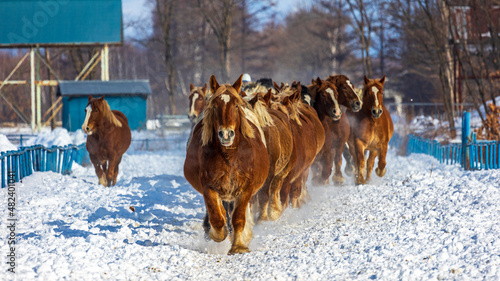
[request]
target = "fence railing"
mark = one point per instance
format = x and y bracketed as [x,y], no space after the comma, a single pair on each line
[471,154]
[23,162]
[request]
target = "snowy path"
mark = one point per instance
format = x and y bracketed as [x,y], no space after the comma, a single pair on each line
[422,221]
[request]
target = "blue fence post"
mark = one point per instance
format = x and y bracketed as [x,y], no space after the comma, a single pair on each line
[465,140]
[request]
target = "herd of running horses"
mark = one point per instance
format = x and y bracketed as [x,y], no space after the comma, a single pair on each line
[252,146]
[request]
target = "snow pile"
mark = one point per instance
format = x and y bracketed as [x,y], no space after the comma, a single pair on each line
[78,137]
[5,144]
[57,137]
[422,221]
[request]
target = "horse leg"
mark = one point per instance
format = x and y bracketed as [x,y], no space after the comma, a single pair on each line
[242,221]
[360,162]
[98,170]
[380,170]
[263,199]
[317,169]
[110,174]
[337,178]
[349,163]
[304,196]
[275,207]
[370,163]
[116,170]
[216,214]
[327,166]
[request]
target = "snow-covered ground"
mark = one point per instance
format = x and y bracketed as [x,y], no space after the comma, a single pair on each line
[422,221]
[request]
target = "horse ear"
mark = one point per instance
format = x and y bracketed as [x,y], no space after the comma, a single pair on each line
[204,89]
[243,94]
[382,80]
[366,80]
[191,87]
[213,84]
[286,101]
[268,96]
[90,97]
[318,81]
[276,87]
[254,100]
[294,84]
[299,87]
[295,96]
[237,84]
[102,97]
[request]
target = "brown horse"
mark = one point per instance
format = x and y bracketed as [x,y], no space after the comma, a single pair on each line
[308,139]
[336,127]
[108,137]
[348,96]
[197,102]
[226,160]
[371,129]
[279,140]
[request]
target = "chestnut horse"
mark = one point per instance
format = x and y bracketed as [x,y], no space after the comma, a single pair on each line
[371,130]
[226,160]
[308,139]
[279,140]
[197,102]
[336,127]
[108,137]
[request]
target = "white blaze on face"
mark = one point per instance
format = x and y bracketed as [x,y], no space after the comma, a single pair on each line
[195,97]
[352,87]
[88,111]
[225,98]
[332,95]
[375,91]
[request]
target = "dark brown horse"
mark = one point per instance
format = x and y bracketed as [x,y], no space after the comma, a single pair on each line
[226,160]
[336,127]
[279,140]
[371,130]
[197,101]
[108,137]
[348,96]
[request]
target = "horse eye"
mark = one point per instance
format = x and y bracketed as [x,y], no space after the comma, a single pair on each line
[236,106]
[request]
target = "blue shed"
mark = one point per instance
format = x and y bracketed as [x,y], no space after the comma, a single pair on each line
[127,96]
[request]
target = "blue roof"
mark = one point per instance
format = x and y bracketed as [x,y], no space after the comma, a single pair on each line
[107,88]
[70,22]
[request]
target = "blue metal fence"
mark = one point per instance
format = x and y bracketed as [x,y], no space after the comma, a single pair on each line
[26,160]
[471,154]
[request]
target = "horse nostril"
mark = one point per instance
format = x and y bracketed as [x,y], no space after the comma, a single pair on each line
[357,103]
[87,129]
[231,133]
[221,134]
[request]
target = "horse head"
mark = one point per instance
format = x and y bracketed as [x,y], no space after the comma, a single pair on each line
[225,114]
[347,93]
[97,111]
[197,101]
[327,99]
[373,98]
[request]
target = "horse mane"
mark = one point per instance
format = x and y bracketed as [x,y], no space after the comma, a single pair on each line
[295,107]
[108,114]
[260,110]
[207,125]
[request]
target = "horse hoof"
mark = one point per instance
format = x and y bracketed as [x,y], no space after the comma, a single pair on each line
[380,173]
[218,236]
[103,181]
[238,250]
[338,180]
[349,170]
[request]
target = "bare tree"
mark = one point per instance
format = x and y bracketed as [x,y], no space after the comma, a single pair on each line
[219,15]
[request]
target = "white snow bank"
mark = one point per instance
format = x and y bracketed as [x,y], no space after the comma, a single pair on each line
[5,144]
[57,137]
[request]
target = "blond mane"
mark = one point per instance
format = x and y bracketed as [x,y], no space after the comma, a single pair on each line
[208,122]
[108,114]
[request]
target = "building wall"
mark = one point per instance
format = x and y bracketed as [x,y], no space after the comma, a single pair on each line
[134,107]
